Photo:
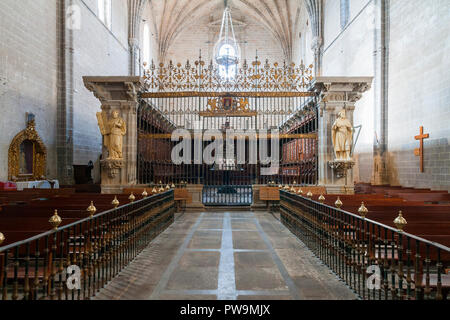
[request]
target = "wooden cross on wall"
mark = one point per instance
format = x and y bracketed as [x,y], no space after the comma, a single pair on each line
[419,151]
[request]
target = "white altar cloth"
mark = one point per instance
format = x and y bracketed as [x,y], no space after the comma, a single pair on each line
[43,184]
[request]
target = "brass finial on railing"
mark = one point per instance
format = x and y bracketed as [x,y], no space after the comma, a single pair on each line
[145,194]
[91,209]
[300,191]
[55,220]
[338,203]
[115,202]
[173,186]
[363,210]
[309,194]
[295,182]
[2,238]
[400,222]
[161,189]
[132,197]
[321,199]
[280,186]
[154,191]
[286,187]
[167,187]
[292,189]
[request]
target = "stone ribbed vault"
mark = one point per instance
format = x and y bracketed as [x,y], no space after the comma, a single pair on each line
[279,17]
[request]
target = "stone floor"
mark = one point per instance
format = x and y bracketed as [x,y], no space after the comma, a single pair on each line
[226,255]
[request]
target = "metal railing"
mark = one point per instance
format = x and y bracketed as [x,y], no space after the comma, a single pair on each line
[377,261]
[227,195]
[77,260]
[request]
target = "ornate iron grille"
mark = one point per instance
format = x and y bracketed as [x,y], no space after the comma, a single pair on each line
[377,261]
[202,77]
[261,98]
[100,247]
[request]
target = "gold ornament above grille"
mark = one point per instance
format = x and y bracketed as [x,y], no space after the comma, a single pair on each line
[228,107]
[256,77]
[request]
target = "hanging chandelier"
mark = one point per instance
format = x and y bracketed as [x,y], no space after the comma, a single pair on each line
[227,50]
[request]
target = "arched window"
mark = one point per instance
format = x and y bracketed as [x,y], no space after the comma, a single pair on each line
[146,44]
[345,13]
[105,12]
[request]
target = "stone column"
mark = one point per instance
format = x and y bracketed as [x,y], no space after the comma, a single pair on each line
[134,62]
[118,94]
[335,94]
[380,174]
[317,47]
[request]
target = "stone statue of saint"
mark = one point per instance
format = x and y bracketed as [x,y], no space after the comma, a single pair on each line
[342,135]
[113,131]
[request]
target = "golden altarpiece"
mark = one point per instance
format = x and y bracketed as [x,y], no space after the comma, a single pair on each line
[27,154]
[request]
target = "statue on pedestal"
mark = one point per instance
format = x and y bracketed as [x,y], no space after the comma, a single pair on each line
[113,131]
[342,135]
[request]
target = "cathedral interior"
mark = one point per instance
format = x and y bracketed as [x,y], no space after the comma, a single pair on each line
[224,150]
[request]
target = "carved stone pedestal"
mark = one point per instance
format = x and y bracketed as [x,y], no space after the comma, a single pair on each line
[336,94]
[118,97]
[197,204]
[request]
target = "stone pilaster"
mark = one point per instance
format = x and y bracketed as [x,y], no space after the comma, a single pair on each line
[380,174]
[119,94]
[196,191]
[335,94]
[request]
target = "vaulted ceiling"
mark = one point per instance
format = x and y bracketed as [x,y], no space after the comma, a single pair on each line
[280,18]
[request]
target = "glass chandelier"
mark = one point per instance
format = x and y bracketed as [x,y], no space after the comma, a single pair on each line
[227,50]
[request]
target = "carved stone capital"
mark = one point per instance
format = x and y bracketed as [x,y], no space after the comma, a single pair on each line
[316,44]
[339,92]
[114,89]
[349,85]
[133,42]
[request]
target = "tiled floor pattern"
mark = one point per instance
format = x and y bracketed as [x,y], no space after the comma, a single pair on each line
[226,256]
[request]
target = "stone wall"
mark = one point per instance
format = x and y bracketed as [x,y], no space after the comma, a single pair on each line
[418,84]
[419,92]
[28,74]
[29,59]
[97,51]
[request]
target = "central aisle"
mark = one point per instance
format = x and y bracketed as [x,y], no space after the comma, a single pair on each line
[226,255]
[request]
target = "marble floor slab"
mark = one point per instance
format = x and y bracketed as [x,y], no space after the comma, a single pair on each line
[226,256]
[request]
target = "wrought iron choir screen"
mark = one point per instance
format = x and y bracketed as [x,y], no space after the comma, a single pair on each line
[194,97]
